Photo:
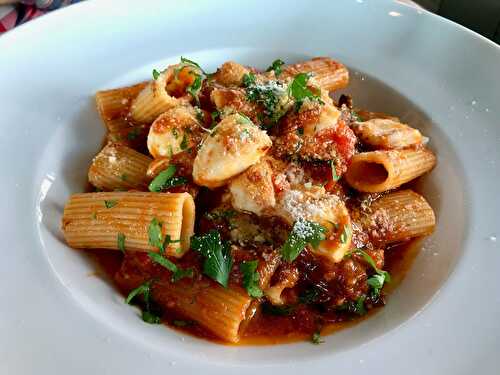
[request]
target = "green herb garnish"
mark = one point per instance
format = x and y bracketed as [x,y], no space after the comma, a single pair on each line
[215,115]
[182,323]
[156,238]
[185,142]
[300,92]
[303,232]
[177,272]
[381,277]
[346,232]
[276,66]
[156,74]
[316,338]
[251,278]
[218,260]
[133,134]
[110,204]
[335,176]
[269,309]
[121,242]
[144,290]
[166,180]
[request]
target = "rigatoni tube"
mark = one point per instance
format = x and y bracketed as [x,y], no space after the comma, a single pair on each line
[94,220]
[378,171]
[399,216]
[119,167]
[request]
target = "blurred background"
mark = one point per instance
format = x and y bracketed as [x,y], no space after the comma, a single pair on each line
[482,16]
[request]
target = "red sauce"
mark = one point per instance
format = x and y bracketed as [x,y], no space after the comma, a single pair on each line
[266,329]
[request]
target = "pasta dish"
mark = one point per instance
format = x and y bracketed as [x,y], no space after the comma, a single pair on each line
[247,204]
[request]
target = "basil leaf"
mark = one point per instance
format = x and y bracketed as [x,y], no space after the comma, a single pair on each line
[303,232]
[251,278]
[218,260]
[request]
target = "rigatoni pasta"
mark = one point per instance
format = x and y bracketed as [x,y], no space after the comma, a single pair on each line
[399,216]
[379,171]
[297,197]
[118,167]
[94,220]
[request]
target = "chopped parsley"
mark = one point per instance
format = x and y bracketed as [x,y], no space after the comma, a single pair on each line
[285,310]
[121,242]
[335,176]
[94,215]
[133,134]
[144,290]
[300,92]
[355,117]
[269,95]
[344,236]
[110,204]
[309,296]
[303,232]
[218,261]
[178,273]
[156,74]
[276,67]
[175,133]
[215,115]
[156,238]
[316,338]
[381,277]
[244,135]
[195,87]
[220,214]
[354,307]
[251,278]
[185,142]
[124,177]
[166,180]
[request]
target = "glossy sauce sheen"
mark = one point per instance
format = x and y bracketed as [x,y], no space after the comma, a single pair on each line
[268,329]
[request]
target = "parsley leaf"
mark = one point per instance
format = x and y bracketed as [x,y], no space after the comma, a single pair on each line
[156,74]
[335,176]
[276,66]
[166,180]
[177,272]
[124,177]
[121,242]
[344,236]
[269,309]
[184,142]
[355,117]
[303,232]
[316,338]
[110,204]
[154,234]
[354,307]
[186,61]
[133,134]
[150,318]
[248,79]
[145,291]
[269,95]
[377,281]
[215,115]
[218,260]
[300,92]
[251,278]
[194,88]
[309,296]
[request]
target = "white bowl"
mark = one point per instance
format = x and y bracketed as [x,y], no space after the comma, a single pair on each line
[435,75]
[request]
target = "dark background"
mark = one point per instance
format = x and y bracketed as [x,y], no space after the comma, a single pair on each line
[482,16]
